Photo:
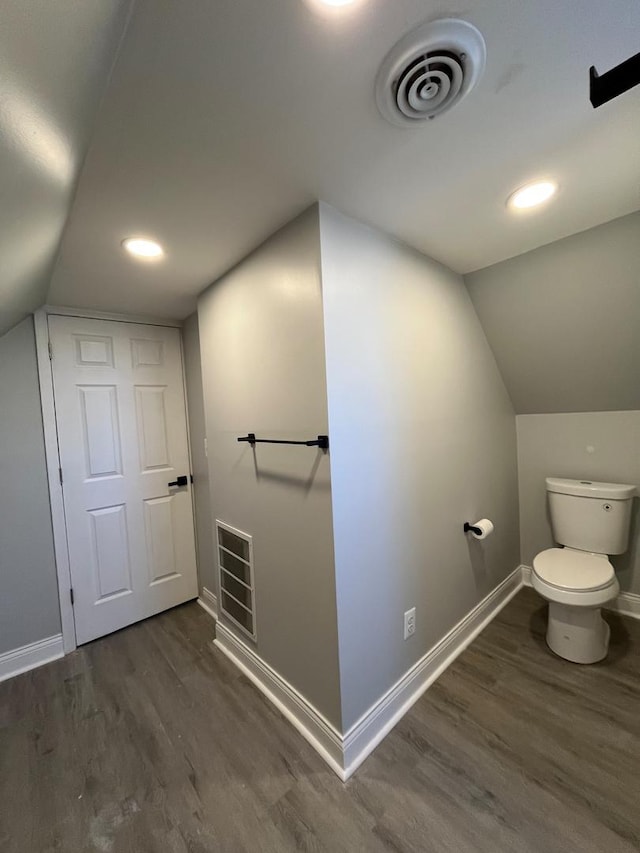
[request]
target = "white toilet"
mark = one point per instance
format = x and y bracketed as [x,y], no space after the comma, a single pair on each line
[591,520]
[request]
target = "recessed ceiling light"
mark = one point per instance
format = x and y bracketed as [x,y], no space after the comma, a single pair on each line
[532,195]
[140,247]
[332,7]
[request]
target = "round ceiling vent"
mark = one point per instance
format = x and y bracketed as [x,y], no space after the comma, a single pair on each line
[430,70]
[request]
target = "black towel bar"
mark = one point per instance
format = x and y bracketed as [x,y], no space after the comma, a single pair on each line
[322,441]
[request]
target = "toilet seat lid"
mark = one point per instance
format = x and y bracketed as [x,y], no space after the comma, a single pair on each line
[569,569]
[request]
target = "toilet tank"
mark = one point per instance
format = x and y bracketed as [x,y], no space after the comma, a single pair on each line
[590,516]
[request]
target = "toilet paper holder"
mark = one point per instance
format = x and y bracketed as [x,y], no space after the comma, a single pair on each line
[469,528]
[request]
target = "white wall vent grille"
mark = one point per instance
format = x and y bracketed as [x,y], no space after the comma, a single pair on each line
[235,572]
[430,70]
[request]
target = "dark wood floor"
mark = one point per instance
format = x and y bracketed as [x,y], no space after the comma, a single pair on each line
[149,740]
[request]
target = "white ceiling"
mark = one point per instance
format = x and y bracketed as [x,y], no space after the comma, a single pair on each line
[55,59]
[225,118]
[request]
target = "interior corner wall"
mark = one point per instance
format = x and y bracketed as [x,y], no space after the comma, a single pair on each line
[602,446]
[263,367]
[29,609]
[207,575]
[422,439]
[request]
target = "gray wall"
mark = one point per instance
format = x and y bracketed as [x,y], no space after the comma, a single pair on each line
[423,439]
[592,445]
[563,321]
[29,609]
[261,334]
[207,575]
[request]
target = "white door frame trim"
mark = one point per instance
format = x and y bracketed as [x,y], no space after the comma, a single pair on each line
[88,314]
[47,402]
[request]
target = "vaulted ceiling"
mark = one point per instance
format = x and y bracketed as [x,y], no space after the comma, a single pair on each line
[562,321]
[55,59]
[224,118]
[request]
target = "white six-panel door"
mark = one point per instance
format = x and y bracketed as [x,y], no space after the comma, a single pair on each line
[122,433]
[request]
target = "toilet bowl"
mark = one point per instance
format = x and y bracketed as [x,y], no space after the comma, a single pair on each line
[576,584]
[590,521]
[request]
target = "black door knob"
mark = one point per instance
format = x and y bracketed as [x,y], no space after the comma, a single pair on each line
[181,481]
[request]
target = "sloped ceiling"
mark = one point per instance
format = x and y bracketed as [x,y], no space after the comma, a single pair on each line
[225,118]
[55,58]
[564,321]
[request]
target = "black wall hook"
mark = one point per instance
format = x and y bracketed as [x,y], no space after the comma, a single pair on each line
[605,87]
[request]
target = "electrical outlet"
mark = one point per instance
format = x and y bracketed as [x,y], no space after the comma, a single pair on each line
[409,623]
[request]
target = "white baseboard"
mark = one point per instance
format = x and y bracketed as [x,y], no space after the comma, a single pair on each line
[311,724]
[209,602]
[345,753]
[366,734]
[627,603]
[29,657]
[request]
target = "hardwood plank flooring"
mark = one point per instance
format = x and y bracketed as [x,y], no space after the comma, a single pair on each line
[150,740]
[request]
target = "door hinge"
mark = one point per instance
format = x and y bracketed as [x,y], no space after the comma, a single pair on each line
[71,596]
[50,346]
[60,475]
